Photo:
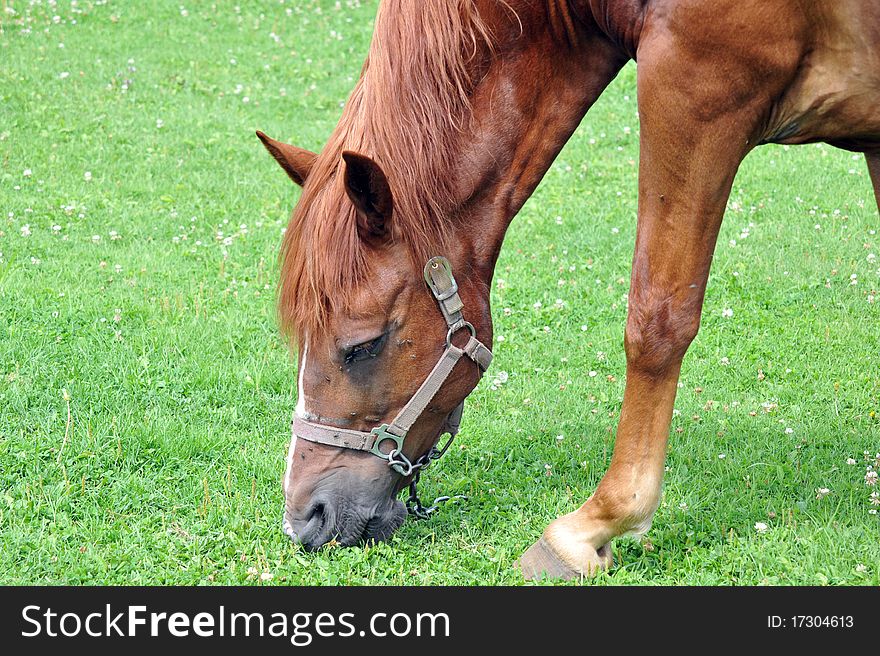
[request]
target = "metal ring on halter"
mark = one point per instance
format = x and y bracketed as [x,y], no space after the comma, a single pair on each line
[403,466]
[454,329]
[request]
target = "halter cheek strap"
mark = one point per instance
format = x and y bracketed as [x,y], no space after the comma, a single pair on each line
[438,275]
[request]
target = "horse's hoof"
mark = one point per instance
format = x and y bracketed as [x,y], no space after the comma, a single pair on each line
[540,561]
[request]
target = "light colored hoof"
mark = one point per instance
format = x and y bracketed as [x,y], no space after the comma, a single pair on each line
[541,561]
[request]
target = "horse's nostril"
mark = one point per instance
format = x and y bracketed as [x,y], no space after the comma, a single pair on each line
[315,519]
[318,515]
[314,527]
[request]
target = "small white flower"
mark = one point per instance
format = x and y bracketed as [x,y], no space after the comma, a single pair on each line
[870,477]
[727,313]
[499,379]
[266,576]
[593,374]
[559,438]
[537,305]
[87,176]
[822,492]
[722,456]
[760,527]
[27,173]
[26,230]
[850,461]
[159,123]
[789,430]
[725,361]
[96,238]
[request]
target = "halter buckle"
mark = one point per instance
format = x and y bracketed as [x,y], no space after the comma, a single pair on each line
[382,433]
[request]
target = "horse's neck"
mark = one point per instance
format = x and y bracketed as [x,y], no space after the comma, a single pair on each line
[530,101]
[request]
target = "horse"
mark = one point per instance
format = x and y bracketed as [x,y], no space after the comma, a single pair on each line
[460,109]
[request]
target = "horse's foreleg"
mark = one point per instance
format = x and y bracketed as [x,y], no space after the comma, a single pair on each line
[689,157]
[874,170]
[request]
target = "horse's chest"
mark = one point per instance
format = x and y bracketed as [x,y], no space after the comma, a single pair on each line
[836,95]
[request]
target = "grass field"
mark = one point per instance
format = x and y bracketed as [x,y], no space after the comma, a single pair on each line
[145,393]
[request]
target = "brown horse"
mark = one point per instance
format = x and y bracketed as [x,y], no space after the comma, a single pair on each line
[461,107]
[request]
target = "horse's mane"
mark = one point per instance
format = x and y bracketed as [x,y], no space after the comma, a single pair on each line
[407,112]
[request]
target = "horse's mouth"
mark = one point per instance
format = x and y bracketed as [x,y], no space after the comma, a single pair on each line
[345,527]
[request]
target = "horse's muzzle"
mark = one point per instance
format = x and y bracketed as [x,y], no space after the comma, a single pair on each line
[333,518]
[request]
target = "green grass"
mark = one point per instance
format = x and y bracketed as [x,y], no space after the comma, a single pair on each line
[160,344]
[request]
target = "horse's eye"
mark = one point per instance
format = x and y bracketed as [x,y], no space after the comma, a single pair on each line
[364,351]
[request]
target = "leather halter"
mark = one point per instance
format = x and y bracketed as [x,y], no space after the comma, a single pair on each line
[438,275]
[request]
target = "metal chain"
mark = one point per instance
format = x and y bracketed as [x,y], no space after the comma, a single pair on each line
[414,506]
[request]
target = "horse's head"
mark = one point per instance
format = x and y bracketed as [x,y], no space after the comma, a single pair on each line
[372,325]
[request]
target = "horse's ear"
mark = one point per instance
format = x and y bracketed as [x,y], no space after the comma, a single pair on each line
[297,162]
[368,189]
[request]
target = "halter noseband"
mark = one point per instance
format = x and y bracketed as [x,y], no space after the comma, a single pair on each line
[438,275]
